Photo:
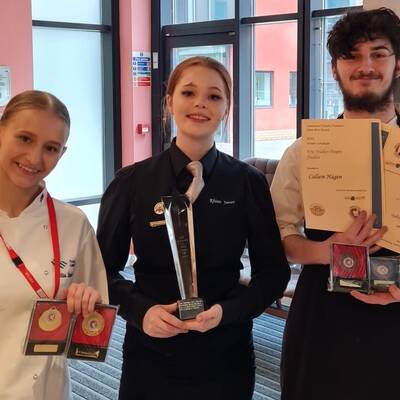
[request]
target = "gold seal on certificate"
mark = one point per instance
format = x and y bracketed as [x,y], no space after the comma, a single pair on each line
[317,209]
[93,324]
[50,320]
[179,220]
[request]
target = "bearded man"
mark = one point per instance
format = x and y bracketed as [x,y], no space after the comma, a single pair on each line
[340,346]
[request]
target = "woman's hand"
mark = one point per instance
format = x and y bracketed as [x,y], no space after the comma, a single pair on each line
[381,298]
[206,320]
[360,232]
[81,298]
[160,323]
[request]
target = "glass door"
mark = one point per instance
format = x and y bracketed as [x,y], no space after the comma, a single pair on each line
[214,46]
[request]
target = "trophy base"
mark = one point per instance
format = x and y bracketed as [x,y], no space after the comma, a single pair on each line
[189,308]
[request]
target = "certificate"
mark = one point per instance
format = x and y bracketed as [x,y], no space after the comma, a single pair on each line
[391,156]
[341,172]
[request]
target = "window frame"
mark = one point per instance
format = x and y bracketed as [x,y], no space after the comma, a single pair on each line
[112,141]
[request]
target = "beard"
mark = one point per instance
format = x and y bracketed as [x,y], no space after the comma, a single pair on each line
[370,102]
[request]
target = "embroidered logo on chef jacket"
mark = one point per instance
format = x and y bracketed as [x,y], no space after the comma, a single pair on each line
[222,202]
[67,268]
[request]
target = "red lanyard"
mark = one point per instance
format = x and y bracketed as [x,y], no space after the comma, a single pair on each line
[56,254]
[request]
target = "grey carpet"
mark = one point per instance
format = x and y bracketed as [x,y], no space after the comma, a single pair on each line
[100,381]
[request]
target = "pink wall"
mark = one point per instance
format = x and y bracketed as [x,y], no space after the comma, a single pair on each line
[16,43]
[135,35]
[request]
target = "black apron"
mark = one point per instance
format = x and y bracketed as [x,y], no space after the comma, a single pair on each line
[336,347]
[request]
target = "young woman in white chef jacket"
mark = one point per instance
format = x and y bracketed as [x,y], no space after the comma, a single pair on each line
[34,129]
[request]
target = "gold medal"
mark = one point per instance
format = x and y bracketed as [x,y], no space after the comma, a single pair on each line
[50,320]
[159,208]
[93,324]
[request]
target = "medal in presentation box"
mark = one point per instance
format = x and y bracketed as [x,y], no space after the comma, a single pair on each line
[48,328]
[384,272]
[349,268]
[91,335]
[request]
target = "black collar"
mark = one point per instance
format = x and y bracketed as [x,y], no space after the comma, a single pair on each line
[179,159]
[340,116]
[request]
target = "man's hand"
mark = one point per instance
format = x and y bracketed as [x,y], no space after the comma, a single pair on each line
[381,298]
[206,320]
[160,323]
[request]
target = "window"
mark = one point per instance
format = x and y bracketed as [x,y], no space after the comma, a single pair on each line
[342,3]
[73,61]
[221,9]
[186,11]
[326,98]
[292,89]
[88,11]
[263,89]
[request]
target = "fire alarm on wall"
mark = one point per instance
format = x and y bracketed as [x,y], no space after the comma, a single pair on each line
[143,128]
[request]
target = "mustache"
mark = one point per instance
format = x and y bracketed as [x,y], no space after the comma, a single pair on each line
[362,75]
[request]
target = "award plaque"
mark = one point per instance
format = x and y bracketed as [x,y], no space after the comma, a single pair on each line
[384,272]
[91,334]
[349,268]
[179,220]
[48,328]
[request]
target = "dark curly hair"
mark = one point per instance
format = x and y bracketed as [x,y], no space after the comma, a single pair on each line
[361,26]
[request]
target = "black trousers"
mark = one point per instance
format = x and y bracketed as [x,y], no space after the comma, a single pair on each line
[144,382]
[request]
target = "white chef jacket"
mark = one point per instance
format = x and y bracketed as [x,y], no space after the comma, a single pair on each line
[41,377]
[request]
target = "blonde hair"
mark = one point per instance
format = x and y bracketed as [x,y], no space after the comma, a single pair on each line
[202,61]
[36,99]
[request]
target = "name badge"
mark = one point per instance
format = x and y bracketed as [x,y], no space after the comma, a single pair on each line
[154,224]
[222,202]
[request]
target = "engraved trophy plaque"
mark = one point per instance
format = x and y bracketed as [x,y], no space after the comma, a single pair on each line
[179,220]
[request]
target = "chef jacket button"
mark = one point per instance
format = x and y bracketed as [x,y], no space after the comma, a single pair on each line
[35,376]
[46,272]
